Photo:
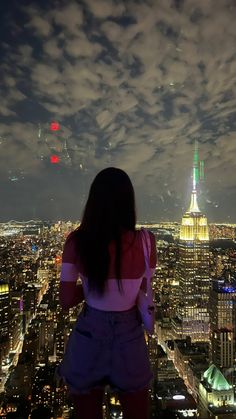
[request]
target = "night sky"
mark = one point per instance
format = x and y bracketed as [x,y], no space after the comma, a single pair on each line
[132,84]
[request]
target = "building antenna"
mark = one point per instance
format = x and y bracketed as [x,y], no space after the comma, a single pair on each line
[195,166]
[193,204]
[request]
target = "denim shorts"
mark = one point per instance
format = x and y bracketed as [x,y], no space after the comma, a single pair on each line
[106,348]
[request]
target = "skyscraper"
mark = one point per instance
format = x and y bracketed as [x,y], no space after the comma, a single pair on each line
[192,270]
[4,320]
[4,308]
[222,308]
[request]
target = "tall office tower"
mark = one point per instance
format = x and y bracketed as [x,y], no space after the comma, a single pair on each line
[4,320]
[222,308]
[4,308]
[15,318]
[192,270]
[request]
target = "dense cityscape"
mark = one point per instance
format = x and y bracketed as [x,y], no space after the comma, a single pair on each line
[147,86]
[193,351]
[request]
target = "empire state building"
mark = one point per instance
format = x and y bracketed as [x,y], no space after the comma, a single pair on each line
[192,270]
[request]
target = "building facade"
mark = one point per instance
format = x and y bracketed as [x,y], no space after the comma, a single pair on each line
[222,307]
[192,270]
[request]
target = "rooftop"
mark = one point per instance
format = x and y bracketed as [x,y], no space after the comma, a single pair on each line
[215,379]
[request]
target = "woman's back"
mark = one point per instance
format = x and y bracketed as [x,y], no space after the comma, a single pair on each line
[132,272]
[107,345]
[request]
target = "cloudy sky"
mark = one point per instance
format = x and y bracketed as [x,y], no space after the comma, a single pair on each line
[132,84]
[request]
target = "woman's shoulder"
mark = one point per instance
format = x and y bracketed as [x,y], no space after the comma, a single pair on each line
[72,235]
[138,233]
[135,237]
[70,243]
[151,234]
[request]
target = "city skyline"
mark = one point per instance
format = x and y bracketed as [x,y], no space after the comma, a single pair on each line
[186,360]
[131,85]
[37,330]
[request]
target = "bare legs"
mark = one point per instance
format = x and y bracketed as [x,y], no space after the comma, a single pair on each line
[89,406]
[133,405]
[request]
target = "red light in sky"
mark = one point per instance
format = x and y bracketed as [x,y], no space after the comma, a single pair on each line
[54,159]
[54,126]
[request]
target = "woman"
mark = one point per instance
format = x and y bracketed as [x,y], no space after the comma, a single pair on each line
[107,344]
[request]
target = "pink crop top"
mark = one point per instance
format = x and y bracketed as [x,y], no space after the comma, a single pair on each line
[132,272]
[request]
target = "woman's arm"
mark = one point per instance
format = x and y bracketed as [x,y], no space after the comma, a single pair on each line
[70,294]
[153,253]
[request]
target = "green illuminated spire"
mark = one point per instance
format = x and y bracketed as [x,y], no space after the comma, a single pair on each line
[193,204]
[195,166]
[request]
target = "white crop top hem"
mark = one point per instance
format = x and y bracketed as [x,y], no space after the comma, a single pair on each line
[113,299]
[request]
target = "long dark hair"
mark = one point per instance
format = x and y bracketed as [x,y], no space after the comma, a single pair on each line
[109,211]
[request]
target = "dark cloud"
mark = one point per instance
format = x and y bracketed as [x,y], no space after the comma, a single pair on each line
[133,84]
